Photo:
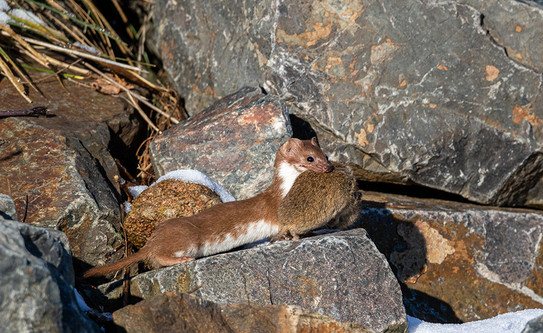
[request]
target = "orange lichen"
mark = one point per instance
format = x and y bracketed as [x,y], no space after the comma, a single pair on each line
[524,113]
[491,73]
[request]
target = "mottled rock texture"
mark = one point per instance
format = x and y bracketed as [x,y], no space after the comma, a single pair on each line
[166,200]
[178,312]
[36,282]
[446,94]
[458,261]
[341,275]
[234,142]
[58,169]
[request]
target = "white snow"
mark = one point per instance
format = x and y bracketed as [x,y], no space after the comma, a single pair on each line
[4,7]
[188,176]
[513,322]
[27,16]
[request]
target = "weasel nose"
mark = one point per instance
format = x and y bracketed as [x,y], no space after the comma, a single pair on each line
[329,168]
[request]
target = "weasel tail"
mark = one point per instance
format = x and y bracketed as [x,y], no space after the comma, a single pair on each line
[116,266]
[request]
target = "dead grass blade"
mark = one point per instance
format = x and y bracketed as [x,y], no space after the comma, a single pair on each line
[9,74]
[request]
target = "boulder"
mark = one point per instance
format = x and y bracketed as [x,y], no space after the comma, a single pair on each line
[341,275]
[458,261]
[445,94]
[58,169]
[234,142]
[178,312]
[166,200]
[37,282]
[57,184]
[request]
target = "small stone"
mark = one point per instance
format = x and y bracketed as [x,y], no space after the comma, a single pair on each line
[166,200]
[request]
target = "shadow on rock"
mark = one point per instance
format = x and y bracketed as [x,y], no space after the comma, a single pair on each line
[405,249]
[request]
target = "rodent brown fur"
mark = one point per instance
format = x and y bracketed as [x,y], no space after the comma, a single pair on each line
[318,199]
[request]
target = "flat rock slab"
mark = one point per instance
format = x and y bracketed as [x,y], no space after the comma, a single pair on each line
[458,261]
[234,142]
[446,94]
[36,282]
[341,275]
[177,312]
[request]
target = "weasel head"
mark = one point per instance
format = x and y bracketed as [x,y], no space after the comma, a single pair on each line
[303,155]
[296,156]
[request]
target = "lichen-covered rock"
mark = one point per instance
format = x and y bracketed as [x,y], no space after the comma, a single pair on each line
[234,142]
[176,312]
[165,200]
[57,184]
[458,261]
[58,169]
[446,94]
[340,275]
[36,282]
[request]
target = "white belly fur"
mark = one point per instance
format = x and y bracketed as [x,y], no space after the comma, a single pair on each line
[251,232]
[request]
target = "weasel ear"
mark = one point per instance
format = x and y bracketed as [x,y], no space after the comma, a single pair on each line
[314,141]
[289,145]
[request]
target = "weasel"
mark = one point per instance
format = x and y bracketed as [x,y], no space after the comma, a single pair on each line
[318,199]
[231,224]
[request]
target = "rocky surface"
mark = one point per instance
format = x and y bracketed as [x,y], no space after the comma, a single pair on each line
[341,275]
[165,200]
[234,142]
[458,261]
[58,169]
[178,312]
[446,94]
[37,282]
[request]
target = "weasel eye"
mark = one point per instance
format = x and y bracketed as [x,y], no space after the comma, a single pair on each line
[310,159]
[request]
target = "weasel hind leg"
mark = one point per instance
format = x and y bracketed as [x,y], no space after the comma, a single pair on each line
[170,261]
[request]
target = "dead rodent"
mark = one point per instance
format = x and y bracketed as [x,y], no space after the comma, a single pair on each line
[318,199]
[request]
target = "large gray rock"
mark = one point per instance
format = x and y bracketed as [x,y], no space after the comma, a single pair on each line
[441,93]
[36,282]
[234,142]
[458,261]
[340,275]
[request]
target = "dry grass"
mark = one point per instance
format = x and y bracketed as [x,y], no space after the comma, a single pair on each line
[76,30]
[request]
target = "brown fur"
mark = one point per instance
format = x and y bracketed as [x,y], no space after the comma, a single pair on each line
[191,234]
[317,199]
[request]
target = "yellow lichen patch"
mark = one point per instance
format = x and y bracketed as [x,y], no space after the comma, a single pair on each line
[518,28]
[442,68]
[362,138]
[362,135]
[432,106]
[437,247]
[518,56]
[403,84]
[380,53]
[491,73]
[307,39]
[524,113]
